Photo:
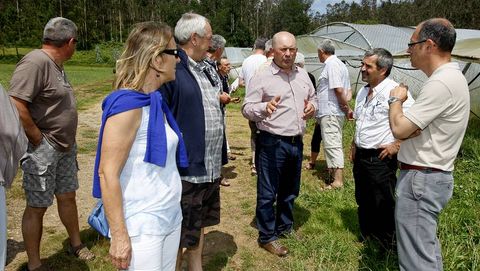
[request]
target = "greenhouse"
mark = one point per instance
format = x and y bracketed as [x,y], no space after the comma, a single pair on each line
[352,40]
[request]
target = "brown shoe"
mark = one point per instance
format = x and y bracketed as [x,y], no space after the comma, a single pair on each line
[275,248]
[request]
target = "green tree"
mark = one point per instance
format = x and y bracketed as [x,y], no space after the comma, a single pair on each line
[292,16]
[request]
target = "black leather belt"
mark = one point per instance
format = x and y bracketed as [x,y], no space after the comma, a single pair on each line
[289,139]
[404,166]
[367,152]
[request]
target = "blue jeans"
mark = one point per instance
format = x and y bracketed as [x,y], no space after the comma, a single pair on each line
[278,162]
[421,196]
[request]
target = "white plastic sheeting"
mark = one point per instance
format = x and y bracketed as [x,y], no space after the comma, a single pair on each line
[352,40]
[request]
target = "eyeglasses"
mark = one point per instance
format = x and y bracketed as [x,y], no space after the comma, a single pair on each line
[411,44]
[172,52]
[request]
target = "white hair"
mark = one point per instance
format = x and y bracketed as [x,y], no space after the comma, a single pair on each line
[327,46]
[268,45]
[188,24]
[300,59]
[58,31]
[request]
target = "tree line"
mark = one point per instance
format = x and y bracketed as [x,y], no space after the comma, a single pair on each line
[463,14]
[239,21]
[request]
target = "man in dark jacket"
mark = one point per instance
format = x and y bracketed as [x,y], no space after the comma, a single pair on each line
[194,100]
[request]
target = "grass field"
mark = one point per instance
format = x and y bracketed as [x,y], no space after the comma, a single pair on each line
[90,83]
[325,222]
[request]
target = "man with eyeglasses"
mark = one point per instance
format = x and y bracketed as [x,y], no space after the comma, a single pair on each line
[332,94]
[374,149]
[194,100]
[432,130]
[280,100]
[46,104]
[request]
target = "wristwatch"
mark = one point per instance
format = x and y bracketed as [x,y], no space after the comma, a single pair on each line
[393,99]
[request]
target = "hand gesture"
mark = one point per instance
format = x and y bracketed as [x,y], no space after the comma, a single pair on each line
[272,105]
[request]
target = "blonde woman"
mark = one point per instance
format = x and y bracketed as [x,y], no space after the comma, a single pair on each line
[135,170]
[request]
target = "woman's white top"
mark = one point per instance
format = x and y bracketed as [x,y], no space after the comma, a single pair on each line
[151,194]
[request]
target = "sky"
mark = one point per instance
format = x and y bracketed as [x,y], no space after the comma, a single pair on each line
[321,5]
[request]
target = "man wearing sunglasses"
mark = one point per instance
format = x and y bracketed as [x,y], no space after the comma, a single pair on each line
[374,149]
[432,129]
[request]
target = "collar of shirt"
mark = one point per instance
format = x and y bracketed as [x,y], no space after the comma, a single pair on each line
[330,58]
[376,90]
[372,127]
[276,69]
[207,69]
[449,65]
[198,66]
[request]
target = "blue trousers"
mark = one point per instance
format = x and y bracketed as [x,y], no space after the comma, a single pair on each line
[421,196]
[278,162]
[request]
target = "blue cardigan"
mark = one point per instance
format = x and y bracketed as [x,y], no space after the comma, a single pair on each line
[184,98]
[156,153]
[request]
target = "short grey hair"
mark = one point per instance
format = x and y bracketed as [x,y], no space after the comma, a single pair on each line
[326,45]
[59,31]
[384,60]
[188,24]
[217,42]
[268,45]
[260,43]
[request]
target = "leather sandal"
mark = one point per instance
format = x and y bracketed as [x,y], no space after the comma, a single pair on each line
[81,252]
[309,166]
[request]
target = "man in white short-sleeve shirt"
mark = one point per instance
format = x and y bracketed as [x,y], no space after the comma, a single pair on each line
[374,149]
[439,118]
[332,93]
[250,66]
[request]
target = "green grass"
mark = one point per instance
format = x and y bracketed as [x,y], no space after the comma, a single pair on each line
[6,71]
[90,84]
[104,54]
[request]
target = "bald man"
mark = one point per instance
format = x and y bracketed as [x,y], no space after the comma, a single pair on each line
[433,129]
[280,99]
